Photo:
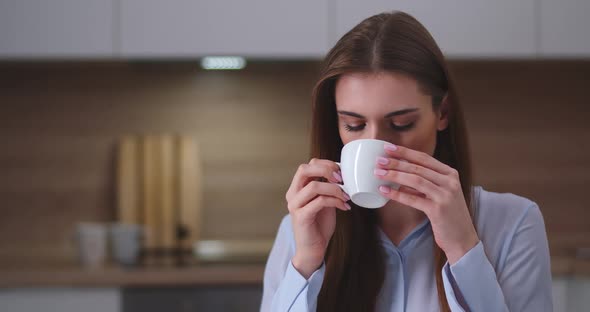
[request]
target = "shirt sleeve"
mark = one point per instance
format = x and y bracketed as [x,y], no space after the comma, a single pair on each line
[284,288]
[520,283]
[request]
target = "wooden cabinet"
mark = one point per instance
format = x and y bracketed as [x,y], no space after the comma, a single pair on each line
[56,28]
[462,28]
[258,28]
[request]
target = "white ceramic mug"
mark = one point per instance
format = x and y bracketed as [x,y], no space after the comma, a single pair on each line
[126,242]
[358,162]
[92,244]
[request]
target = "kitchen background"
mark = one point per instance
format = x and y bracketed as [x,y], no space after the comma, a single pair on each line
[76,77]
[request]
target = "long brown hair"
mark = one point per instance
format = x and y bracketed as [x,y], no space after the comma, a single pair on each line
[387,42]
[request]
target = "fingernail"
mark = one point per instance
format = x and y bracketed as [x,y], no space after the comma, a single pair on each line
[382,160]
[380,172]
[337,176]
[390,147]
[347,206]
[346,196]
[385,189]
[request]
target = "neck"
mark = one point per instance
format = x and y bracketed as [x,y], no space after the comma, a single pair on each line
[397,220]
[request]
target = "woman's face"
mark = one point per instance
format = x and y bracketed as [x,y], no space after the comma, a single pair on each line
[389,107]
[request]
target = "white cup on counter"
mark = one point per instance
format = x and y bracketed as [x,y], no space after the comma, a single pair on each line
[126,242]
[91,239]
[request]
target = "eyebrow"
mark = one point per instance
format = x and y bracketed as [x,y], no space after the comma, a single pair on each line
[388,115]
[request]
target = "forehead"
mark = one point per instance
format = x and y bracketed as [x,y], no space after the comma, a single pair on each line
[378,92]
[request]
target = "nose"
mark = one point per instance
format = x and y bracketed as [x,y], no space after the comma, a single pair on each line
[378,133]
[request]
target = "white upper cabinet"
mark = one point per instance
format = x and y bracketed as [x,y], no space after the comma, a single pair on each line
[565,28]
[462,28]
[56,28]
[256,28]
[281,29]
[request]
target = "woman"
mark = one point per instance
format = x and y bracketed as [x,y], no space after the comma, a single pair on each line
[440,244]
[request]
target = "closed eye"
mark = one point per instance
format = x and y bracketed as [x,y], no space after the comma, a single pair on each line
[354,128]
[393,126]
[401,128]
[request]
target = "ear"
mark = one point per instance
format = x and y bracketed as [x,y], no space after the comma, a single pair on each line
[443,114]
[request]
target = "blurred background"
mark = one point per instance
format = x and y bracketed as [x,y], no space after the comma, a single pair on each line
[146,146]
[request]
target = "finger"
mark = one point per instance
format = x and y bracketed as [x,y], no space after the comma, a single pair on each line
[417,157]
[306,172]
[409,190]
[408,179]
[309,211]
[404,166]
[324,162]
[329,169]
[312,190]
[422,204]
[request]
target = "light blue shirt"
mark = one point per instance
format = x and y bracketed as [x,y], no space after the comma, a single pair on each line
[508,270]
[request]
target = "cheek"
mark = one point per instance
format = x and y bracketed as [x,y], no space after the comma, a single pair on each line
[345,136]
[422,139]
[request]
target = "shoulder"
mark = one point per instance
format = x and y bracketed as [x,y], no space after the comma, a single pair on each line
[493,209]
[500,216]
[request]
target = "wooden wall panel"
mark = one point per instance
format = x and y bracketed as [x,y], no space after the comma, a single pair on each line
[60,122]
[530,131]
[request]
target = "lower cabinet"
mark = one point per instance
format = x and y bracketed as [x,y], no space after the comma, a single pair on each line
[148,299]
[193,299]
[60,300]
[570,294]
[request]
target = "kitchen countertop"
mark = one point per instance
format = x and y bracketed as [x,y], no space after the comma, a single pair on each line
[204,275]
[570,266]
[209,275]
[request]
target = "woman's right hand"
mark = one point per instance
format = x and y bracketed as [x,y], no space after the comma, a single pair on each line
[312,207]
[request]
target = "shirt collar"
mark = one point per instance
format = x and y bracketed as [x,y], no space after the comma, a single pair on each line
[409,241]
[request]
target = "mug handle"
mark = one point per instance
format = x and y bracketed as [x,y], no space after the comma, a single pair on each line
[343,188]
[341,185]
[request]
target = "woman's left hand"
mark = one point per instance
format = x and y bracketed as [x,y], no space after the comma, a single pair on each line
[441,200]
